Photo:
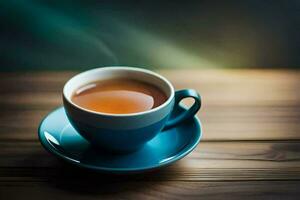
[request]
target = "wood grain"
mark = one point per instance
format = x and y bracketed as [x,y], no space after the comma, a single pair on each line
[218,87]
[250,147]
[219,123]
[151,190]
[210,161]
[237,104]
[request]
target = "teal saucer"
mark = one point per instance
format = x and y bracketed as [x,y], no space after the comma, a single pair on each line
[59,137]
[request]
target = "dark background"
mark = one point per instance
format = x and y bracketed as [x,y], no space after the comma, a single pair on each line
[52,35]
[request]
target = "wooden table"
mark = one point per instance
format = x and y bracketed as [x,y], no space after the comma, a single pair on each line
[250,147]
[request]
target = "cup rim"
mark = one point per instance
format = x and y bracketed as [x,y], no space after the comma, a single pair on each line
[149,72]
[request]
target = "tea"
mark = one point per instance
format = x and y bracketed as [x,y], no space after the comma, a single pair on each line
[119,96]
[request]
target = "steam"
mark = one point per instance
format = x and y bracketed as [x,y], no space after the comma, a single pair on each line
[161,51]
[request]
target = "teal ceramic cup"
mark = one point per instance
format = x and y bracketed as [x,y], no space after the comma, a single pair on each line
[126,132]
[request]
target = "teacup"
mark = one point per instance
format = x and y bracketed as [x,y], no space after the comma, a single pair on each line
[126,132]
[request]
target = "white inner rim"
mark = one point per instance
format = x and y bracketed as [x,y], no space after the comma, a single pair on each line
[103,73]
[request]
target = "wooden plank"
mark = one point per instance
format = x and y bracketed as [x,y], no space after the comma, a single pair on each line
[219,123]
[28,161]
[225,87]
[99,189]
[19,101]
[168,174]
[237,104]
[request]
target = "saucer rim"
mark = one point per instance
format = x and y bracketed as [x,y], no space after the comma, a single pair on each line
[178,156]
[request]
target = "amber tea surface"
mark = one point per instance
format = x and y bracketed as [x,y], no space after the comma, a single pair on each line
[119,96]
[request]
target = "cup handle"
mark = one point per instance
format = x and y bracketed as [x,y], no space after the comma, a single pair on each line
[179,95]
